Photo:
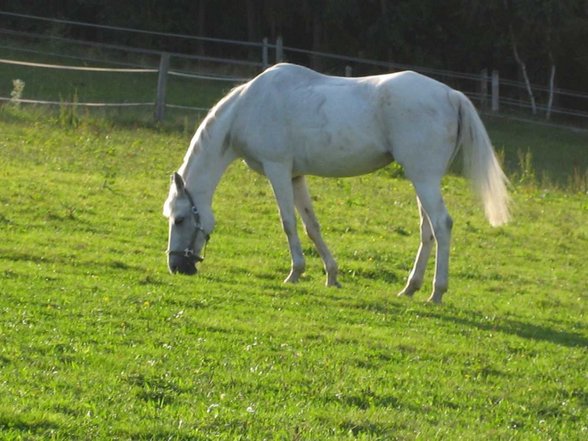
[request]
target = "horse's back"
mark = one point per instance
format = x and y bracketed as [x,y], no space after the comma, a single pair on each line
[336,126]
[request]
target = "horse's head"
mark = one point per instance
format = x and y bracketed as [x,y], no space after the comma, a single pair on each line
[189,228]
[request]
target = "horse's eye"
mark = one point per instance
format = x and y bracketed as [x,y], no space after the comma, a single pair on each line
[178,220]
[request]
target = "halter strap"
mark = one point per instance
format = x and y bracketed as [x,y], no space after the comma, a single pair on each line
[189,252]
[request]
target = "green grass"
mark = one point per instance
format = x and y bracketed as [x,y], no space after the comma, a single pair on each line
[555,156]
[97,341]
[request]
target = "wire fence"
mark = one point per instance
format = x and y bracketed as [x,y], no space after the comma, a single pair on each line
[189,72]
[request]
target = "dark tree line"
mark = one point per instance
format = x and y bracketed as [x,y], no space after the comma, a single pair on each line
[542,41]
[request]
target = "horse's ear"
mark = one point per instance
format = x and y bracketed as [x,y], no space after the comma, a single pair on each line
[178,182]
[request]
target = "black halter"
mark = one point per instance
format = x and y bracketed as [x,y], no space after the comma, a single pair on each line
[189,252]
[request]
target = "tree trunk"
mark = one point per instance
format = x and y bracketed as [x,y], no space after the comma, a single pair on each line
[201,24]
[252,28]
[515,50]
[271,18]
[252,34]
[317,40]
[523,67]
[551,91]
[549,40]
[384,8]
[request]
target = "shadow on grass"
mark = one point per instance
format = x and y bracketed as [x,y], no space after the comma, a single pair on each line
[519,328]
[27,424]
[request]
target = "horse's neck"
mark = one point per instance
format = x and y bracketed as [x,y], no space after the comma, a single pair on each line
[205,163]
[209,155]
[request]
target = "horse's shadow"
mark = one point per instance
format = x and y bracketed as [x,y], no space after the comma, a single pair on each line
[467,318]
[508,325]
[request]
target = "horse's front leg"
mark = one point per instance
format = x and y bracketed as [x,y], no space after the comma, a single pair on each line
[281,182]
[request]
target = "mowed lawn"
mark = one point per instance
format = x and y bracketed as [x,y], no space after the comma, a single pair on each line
[98,341]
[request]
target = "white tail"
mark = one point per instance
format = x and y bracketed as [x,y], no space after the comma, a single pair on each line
[481,166]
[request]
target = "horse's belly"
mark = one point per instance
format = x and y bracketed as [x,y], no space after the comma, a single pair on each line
[341,162]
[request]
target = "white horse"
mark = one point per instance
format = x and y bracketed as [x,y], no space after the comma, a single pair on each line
[290,121]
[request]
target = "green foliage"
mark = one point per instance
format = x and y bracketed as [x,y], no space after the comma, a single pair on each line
[578,181]
[527,171]
[457,35]
[97,341]
[68,112]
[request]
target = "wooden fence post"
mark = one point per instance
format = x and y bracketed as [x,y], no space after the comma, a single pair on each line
[161,87]
[279,49]
[264,53]
[484,88]
[495,91]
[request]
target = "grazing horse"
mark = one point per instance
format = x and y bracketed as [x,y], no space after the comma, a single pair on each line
[290,121]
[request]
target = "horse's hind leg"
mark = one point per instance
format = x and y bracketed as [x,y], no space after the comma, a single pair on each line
[431,201]
[416,277]
[304,207]
[282,185]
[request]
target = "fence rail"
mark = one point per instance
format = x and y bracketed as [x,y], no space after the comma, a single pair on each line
[131,49]
[491,93]
[74,103]
[79,68]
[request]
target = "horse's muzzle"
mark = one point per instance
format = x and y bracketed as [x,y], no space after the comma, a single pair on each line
[181,265]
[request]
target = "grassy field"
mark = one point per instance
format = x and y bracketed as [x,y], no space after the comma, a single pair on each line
[98,341]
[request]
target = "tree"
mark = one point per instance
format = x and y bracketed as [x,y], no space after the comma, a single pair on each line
[538,39]
[533,30]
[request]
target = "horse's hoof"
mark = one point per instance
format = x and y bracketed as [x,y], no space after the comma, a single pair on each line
[292,278]
[409,289]
[406,292]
